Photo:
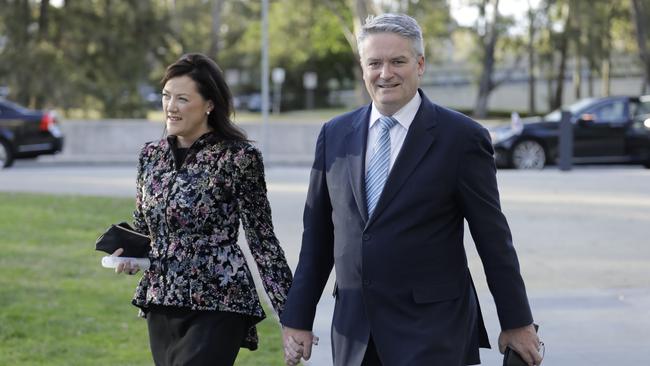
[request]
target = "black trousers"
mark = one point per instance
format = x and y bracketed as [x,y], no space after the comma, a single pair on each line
[371,358]
[179,336]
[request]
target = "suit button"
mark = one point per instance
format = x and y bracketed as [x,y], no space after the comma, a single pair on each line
[365,237]
[366,283]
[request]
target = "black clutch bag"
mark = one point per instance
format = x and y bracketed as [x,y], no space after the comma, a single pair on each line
[122,235]
[512,358]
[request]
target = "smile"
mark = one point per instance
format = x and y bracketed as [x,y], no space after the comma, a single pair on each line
[384,86]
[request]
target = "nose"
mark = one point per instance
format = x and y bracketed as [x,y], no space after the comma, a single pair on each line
[170,104]
[386,71]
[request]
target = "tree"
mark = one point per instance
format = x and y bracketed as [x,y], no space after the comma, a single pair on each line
[432,15]
[490,26]
[532,28]
[640,13]
[563,40]
[87,54]
[217,7]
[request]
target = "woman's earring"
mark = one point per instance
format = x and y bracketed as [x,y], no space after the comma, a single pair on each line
[207,113]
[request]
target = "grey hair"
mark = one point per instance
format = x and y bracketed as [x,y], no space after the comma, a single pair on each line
[400,24]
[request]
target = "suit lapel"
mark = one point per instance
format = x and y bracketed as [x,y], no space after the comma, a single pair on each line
[355,142]
[418,141]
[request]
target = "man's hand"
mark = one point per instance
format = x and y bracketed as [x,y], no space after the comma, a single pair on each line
[524,341]
[297,344]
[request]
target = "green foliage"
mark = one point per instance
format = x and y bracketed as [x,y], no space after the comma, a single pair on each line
[101,55]
[58,306]
[90,54]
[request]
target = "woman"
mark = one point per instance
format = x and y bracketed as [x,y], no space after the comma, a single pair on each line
[193,188]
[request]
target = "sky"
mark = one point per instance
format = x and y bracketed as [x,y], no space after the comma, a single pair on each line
[466,15]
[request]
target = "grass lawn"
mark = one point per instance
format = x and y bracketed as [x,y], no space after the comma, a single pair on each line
[58,306]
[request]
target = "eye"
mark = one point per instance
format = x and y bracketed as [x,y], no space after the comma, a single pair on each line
[182,99]
[165,96]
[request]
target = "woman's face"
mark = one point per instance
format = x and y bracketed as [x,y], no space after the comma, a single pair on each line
[186,111]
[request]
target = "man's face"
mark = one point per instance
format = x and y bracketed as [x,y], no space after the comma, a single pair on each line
[391,70]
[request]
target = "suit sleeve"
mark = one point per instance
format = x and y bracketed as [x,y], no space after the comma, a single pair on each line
[481,207]
[316,254]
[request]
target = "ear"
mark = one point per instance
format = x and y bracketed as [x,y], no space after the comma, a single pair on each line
[421,65]
[210,106]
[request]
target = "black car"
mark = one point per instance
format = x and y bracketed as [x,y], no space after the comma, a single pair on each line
[26,133]
[605,130]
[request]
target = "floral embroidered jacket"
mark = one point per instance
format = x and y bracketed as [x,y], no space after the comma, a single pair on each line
[192,214]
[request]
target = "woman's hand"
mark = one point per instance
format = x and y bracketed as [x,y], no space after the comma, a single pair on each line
[125,267]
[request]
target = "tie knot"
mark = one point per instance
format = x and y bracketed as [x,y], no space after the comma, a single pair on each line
[386,122]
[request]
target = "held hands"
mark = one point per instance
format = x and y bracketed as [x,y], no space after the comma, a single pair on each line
[297,344]
[524,341]
[125,267]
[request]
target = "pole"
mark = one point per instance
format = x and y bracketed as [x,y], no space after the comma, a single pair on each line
[265,79]
[566,142]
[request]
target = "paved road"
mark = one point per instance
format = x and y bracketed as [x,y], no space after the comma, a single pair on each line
[582,239]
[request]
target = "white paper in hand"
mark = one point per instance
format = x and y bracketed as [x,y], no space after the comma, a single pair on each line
[110,261]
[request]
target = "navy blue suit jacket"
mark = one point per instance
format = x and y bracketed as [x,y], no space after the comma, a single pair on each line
[401,274]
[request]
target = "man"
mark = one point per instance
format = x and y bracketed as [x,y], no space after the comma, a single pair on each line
[390,188]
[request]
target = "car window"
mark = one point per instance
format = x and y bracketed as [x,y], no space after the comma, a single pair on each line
[574,108]
[610,112]
[640,108]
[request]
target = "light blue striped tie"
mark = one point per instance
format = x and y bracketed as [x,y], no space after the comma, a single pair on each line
[379,163]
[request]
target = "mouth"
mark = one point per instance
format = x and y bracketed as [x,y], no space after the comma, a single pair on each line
[173,118]
[388,86]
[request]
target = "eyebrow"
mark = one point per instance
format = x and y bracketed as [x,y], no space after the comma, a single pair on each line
[370,59]
[167,91]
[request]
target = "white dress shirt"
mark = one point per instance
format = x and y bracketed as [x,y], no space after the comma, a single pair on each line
[404,118]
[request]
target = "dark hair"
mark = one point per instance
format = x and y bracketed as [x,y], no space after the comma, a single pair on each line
[212,86]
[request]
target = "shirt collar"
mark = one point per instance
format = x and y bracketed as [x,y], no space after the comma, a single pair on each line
[404,116]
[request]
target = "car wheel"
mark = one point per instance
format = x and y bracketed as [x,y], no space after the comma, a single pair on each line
[6,156]
[528,154]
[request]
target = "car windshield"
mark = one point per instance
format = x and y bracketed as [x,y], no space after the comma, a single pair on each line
[9,105]
[556,115]
[644,106]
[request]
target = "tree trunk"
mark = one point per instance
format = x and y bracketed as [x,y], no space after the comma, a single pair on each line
[577,76]
[577,67]
[217,6]
[23,70]
[606,39]
[43,19]
[361,11]
[564,43]
[604,72]
[639,21]
[549,87]
[486,84]
[531,59]
[590,80]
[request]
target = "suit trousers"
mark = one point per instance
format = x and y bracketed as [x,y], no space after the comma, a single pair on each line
[181,336]
[371,357]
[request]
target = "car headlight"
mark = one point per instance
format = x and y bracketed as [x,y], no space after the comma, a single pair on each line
[498,136]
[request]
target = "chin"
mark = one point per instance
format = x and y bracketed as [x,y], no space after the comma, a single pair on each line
[388,100]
